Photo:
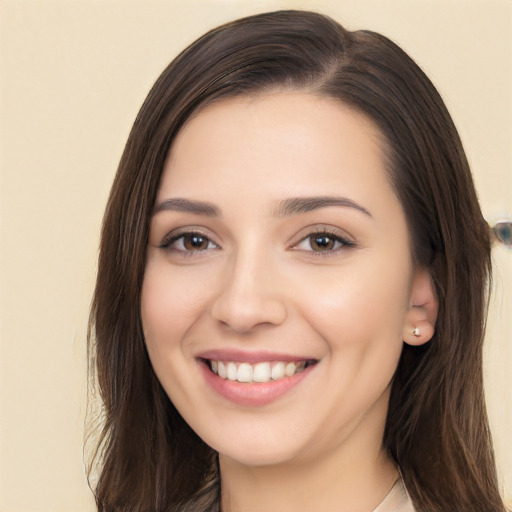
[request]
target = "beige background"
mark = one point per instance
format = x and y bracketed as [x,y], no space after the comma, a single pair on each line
[73,75]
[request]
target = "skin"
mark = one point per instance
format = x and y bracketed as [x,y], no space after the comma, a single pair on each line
[259,283]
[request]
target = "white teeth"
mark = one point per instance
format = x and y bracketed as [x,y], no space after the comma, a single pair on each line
[290,369]
[259,372]
[277,371]
[231,370]
[222,370]
[244,373]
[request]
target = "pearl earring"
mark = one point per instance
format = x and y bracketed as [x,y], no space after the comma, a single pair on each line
[416,331]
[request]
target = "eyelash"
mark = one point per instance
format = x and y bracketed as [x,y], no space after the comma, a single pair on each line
[339,242]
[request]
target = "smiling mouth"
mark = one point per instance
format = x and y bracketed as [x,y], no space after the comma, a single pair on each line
[259,372]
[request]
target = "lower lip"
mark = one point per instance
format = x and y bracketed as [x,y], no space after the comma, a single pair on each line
[254,394]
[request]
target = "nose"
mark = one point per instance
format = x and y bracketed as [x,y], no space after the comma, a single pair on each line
[249,297]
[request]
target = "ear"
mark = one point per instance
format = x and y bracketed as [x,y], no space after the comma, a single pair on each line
[420,319]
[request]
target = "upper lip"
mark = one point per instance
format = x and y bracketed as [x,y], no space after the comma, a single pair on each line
[251,357]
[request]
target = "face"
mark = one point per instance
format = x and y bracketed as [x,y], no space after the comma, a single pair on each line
[278,279]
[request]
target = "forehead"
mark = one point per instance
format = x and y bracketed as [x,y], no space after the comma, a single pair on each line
[299,143]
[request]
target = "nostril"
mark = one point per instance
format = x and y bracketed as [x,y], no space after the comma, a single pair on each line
[242,314]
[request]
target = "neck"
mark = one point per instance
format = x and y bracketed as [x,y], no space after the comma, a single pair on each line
[351,481]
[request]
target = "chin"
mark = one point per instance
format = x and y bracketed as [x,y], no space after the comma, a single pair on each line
[261,452]
[251,457]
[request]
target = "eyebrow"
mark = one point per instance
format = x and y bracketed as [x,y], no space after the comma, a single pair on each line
[187,205]
[286,207]
[297,205]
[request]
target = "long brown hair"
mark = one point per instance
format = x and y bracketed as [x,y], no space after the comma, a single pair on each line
[437,429]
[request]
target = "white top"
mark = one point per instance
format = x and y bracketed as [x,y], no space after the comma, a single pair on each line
[397,500]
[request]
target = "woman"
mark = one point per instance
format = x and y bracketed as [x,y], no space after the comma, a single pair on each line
[292,285]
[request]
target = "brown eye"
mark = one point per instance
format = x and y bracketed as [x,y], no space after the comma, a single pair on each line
[195,242]
[322,242]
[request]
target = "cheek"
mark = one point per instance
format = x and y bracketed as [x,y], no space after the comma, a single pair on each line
[169,303]
[158,309]
[360,314]
[352,301]
[167,310]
